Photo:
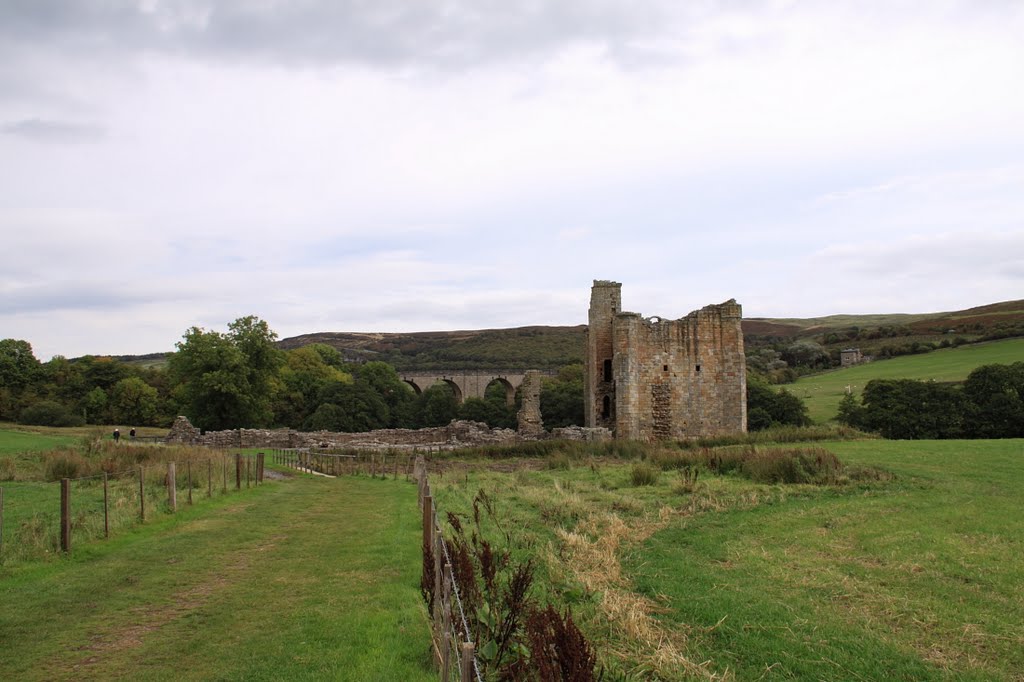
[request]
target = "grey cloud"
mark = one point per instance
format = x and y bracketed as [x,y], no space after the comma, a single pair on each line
[382,32]
[42,130]
[66,296]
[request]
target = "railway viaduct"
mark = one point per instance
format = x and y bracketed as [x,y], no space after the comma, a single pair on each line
[467,383]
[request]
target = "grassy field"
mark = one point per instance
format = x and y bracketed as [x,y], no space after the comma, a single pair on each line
[15,442]
[822,392]
[307,578]
[917,577]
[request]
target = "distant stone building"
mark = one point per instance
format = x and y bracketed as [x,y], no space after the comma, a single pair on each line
[850,356]
[654,379]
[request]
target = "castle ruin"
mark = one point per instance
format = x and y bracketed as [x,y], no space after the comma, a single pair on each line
[654,379]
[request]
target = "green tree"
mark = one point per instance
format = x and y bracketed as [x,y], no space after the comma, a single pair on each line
[995,394]
[767,407]
[133,401]
[907,409]
[439,406]
[18,366]
[304,375]
[96,406]
[396,394]
[850,412]
[227,380]
[349,407]
[19,369]
[561,398]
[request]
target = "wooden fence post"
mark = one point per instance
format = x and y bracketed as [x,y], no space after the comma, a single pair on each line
[446,623]
[172,486]
[106,508]
[259,468]
[142,494]
[188,467]
[466,662]
[428,514]
[437,582]
[224,466]
[395,477]
[65,515]
[248,470]
[209,477]
[238,471]
[1,520]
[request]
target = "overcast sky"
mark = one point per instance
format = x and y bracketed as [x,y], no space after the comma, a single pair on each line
[412,165]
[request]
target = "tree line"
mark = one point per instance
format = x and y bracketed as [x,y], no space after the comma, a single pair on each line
[988,404]
[240,379]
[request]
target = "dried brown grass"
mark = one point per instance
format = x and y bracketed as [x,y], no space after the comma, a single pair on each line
[591,554]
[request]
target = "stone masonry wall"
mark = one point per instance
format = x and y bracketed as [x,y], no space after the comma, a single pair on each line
[529,418]
[681,378]
[455,435]
[605,304]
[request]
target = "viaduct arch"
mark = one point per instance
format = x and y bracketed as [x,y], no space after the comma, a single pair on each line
[467,383]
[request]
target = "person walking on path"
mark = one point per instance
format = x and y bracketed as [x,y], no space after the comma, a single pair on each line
[117,435]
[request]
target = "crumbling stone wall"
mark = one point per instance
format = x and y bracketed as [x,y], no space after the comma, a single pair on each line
[456,434]
[529,418]
[654,379]
[182,432]
[453,436]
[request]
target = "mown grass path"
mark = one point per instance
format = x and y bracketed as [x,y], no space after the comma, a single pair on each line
[308,578]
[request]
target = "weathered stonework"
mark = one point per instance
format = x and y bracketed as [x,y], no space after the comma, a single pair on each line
[848,357]
[530,422]
[182,431]
[455,435]
[654,379]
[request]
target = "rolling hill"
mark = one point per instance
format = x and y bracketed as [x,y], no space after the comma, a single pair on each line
[549,347]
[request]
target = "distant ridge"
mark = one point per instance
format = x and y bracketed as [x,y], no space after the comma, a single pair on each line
[550,347]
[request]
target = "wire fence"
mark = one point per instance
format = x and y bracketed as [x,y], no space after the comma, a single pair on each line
[454,647]
[338,462]
[39,518]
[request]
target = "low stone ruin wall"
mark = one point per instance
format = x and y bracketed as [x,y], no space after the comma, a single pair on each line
[453,436]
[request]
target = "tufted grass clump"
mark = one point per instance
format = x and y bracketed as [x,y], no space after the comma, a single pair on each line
[643,473]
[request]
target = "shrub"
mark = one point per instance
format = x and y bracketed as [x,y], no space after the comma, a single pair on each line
[8,469]
[50,413]
[643,474]
[687,482]
[65,464]
[814,465]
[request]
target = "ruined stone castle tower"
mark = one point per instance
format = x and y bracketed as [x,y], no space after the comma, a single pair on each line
[654,379]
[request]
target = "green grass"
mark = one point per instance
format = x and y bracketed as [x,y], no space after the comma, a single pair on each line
[309,578]
[915,581]
[17,442]
[822,392]
[916,578]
